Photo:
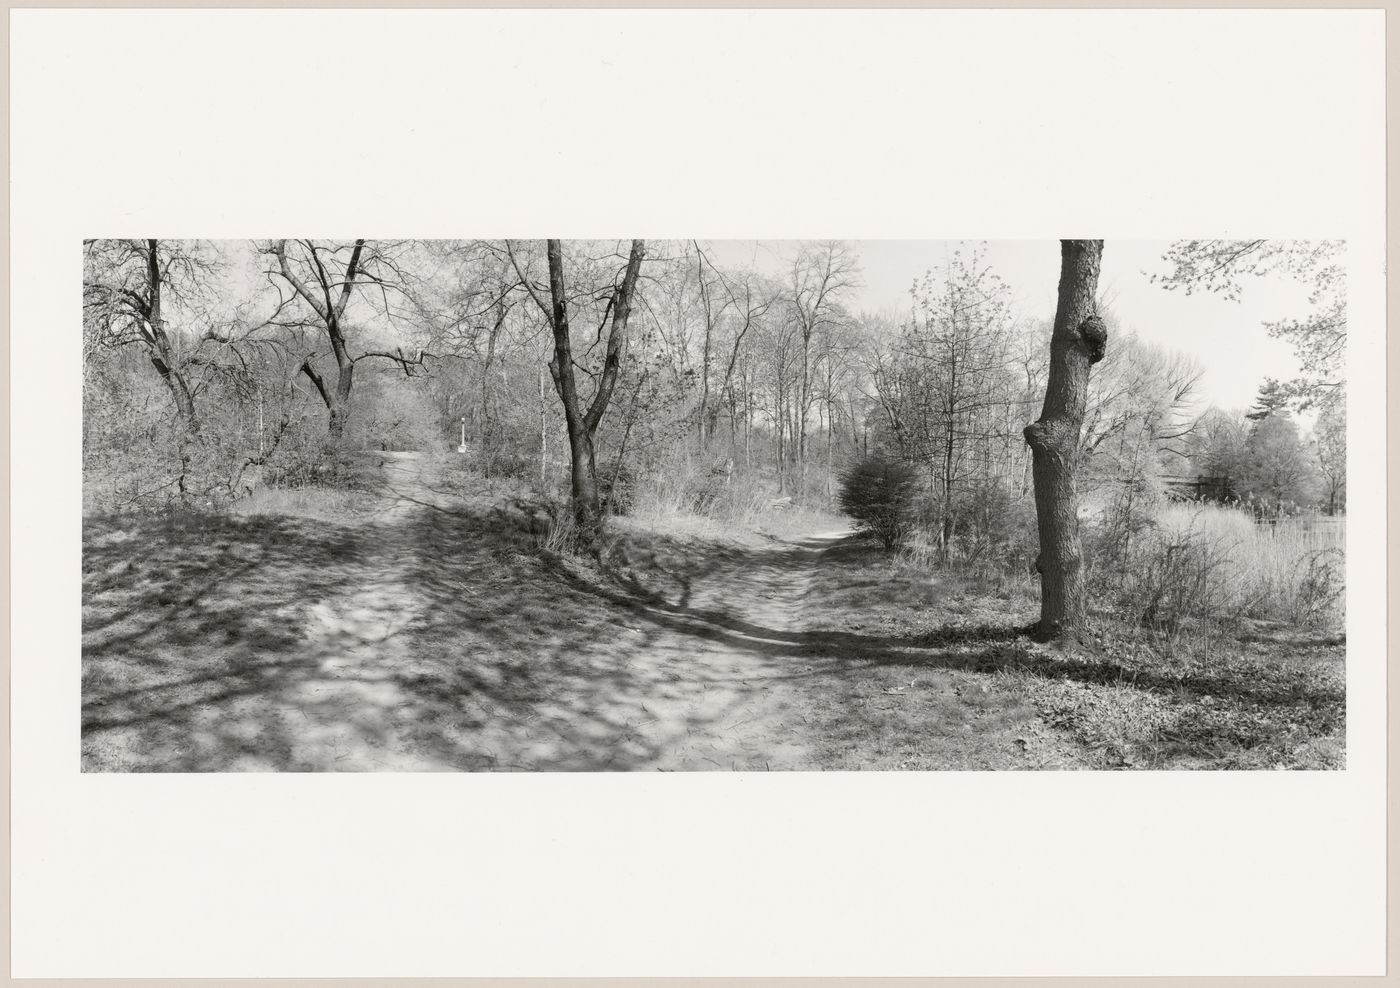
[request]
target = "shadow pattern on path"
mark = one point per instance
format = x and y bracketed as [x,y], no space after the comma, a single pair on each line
[443,640]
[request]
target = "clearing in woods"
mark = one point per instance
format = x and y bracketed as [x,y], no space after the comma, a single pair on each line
[429,631]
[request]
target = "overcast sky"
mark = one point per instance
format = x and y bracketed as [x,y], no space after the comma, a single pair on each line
[1227,338]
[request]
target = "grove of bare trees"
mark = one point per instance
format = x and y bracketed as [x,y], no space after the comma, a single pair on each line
[664,376]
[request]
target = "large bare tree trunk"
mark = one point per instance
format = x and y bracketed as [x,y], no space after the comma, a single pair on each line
[159,347]
[1077,343]
[337,400]
[330,310]
[580,423]
[583,475]
[583,478]
[340,404]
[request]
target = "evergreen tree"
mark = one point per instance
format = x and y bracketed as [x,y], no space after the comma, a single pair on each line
[1272,400]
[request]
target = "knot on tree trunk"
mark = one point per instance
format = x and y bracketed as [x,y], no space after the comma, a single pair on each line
[1095,336]
[1042,436]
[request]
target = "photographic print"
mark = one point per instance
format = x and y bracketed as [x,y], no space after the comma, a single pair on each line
[688,505]
[781,554]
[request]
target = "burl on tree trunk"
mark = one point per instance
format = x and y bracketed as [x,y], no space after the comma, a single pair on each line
[1077,343]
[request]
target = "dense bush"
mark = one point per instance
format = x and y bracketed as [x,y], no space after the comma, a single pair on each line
[879,494]
[306,459]
[709,489]
[617,489]
[511,465]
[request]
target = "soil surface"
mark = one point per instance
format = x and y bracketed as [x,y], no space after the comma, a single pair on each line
[421,637]
[425,625]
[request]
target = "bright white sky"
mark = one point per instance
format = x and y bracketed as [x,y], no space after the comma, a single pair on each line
[1227,338]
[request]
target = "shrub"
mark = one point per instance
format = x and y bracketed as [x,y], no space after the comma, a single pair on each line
[617,489]
[708,491]
[672,485]
[1203,561]
[511,465]
[1320,588]
[1178,573]
[314,464]
[879,494]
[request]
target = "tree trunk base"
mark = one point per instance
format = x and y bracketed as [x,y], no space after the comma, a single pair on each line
[1070,643]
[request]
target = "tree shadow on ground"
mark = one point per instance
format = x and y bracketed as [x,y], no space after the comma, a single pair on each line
[981,647]
[448,640]
[444,641]
[188,613]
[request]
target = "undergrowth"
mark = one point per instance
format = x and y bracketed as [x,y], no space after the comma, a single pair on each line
[1203,693]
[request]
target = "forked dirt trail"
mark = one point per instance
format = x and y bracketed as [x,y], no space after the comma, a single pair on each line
[702,677]
[731,656]
[713,674]
[424,638]
[423,627]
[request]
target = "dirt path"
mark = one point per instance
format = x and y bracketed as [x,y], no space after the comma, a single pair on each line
[429,631]
[725,699]
[706,678]
[729,653]
[424,638]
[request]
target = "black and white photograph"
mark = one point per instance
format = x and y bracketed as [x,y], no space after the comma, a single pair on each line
[684,505]
[601,493]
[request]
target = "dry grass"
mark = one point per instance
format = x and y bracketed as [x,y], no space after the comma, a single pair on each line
[433,632]
[313,503]
[935,695]
[1206,561]
[1250,695]
[694,503]
[443,626]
